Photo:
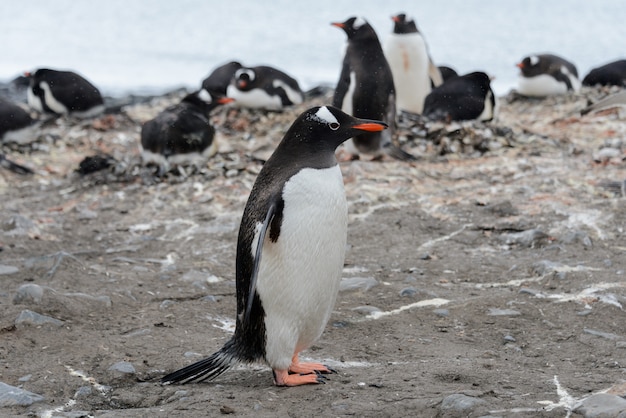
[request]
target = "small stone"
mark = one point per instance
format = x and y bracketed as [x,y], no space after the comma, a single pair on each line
[357,283]
[4,269]
[366,310]
[27,317]
[408,292]
[226,410]
[166,304]
[459,402]
[509,339]
[503,312]
[425,256]
[602,405]
[601,334]
[123,367]
[441,312]
[28,293]
[25,378]
[83,392]
[14,396]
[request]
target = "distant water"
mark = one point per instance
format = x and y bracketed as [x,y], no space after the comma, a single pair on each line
[155,45]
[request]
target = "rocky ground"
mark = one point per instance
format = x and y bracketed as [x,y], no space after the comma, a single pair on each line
[486,279]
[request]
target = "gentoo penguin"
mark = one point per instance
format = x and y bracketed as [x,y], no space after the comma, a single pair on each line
[220,78]
[16,125]
[464,97]
[264,87]
[290,252]
[182,134]
[611,74]
[63,93]
[546,75]
[411,65]
[365,89]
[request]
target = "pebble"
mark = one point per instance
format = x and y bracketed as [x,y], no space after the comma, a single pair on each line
[28,293]
[606,335]
[503,312]
[123,367]
[441,312]
[529,238]
[4,269]
[458,402]
[408,291]
[27,317]
[357,283]
[14,396]
[602,405]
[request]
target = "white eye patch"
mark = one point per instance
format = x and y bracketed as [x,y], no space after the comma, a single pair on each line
[205,96]
[325,116]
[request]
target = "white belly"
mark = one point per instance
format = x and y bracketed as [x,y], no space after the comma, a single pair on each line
[545,85]
[300,273]
[255,99]
[408,58]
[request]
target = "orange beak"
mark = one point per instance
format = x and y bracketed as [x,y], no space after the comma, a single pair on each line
[395,19]
[338,24]
[371,126]
[241,84]
[519,65]
[224,100]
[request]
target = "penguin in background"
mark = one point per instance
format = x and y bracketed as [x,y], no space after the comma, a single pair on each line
[220,78]
[16,124]
[182,134]
[463,97]
[447,73]
[264,87]
[63,93]
[546,75]
[290,253]
[366,90]
[411,65]
[611,74]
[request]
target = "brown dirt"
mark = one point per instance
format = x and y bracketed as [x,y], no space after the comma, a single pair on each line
[517,256]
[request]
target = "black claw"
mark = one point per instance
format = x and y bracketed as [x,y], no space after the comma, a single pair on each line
[330,370]
[321,379]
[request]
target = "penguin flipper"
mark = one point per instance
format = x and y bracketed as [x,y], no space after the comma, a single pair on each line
[257,261]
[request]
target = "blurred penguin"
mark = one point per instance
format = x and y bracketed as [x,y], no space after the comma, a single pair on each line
[611,74]
[16,124]
[547,75]
[366,90]
[63,93]
[264,87]
[411,65]
[220,78]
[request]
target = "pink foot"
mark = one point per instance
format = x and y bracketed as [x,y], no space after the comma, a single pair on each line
[283,378]
[307,368]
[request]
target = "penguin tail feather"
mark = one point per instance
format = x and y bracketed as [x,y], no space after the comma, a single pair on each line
[208,368]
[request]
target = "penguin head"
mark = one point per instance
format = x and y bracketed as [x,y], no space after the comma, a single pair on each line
[356,28]
[403,24]
[243,78]
[480,79]
[206,100]
[326,127]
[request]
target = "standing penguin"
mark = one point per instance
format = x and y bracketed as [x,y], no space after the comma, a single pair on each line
[63,93]
[463,97]
[365,89]
[220,77]
[290,252]
[264,87]
[545,75]
[182,134]
[411,65]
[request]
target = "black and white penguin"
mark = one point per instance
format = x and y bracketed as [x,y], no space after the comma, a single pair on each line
[546,75]
[366,90]
[182,134]
[464,97]
[63,93]
[290,252]
[264,87]
[220,78]
[611,74]
[16,124]
[411,65]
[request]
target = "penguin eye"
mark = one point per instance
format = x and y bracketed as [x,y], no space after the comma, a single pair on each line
[334,126]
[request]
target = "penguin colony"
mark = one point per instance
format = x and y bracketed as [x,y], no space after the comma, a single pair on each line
[292,237]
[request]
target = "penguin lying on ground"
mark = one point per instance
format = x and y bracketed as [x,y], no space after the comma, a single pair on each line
[182,134]
[446,73]
[290,252]
[220,78]
[264,87]
[63,93]
[365,90]
[611,74]
[464,97]
[16,125]
[411,65]
[545,75]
